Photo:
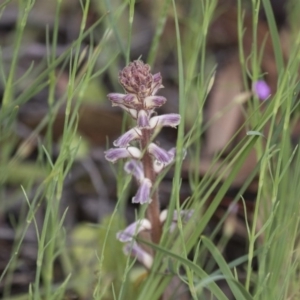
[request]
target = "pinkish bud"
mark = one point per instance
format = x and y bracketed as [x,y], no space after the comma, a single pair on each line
[157,83]
[157,78]
[261,89]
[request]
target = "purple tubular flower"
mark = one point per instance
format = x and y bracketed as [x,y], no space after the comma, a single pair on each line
[151,102]
[139,253]
[115,154]
[135,167]
[160,154]
[131,100]
[261,89]
[116,98]
[143,119]
[133,229]
[143,193]
[158,166]
[171,120]
[127,101]
[127,137]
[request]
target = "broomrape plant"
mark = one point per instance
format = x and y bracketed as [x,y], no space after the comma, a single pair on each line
[148,160]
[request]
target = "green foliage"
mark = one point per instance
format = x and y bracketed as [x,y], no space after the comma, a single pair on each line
[89,246]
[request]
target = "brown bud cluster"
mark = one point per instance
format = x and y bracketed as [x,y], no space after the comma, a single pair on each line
[137,79]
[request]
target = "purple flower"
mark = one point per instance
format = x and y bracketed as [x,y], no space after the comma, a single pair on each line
[171,120]
[139,253]
[127,236]
[133,229]
[116,98]
[160,154]
[143,193]
[143,119]
[131,100]
[127,137]
[131,247]
[154,101]
[261,90]
[126,101]
[135,167]
[158,166]
[115,154]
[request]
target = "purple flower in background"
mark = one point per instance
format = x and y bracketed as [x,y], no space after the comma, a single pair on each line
[261,90]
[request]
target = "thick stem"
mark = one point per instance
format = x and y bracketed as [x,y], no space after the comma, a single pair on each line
[153,210]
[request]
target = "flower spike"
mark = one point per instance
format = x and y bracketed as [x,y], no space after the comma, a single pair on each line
[140,101]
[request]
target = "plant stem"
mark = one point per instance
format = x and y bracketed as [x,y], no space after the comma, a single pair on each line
[153,210]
